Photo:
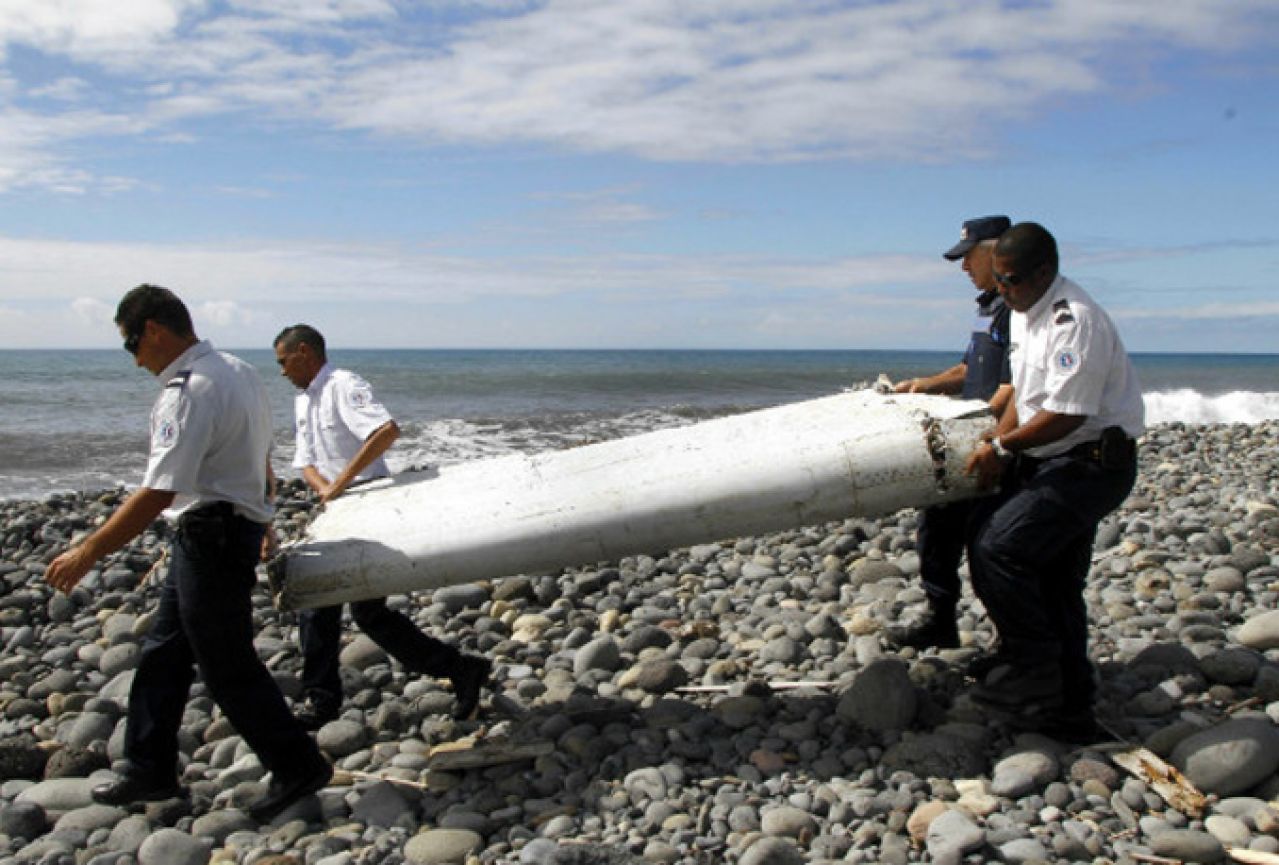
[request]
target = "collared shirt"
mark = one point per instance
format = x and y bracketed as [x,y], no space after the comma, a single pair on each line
[332,418]
[1067,358]
[987,356]
[211,434]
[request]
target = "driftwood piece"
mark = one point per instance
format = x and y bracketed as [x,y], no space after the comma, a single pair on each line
[1164,779]
[471,753]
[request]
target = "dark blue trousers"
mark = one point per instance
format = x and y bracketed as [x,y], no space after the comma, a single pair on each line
[1029,556]
[320,633]
[204,620]
[943,533]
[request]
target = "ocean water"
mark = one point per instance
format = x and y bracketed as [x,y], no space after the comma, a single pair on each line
[77,420]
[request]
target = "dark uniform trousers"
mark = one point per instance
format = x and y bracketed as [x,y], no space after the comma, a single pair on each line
[204,620]
[943,532]
[1029,556]
[320,633]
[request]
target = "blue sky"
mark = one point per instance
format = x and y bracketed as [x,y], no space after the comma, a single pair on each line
[635,173]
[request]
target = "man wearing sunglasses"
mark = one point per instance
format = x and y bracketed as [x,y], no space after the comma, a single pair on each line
[979,375]
[208,469]
[1064,458]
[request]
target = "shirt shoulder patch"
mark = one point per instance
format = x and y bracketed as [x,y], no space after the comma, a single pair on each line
[1062,313]
[1066,360]
[360,397]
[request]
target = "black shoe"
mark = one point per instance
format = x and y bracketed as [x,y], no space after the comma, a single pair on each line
[281,793]
[1077,727]
[471,676]
[983,665]
[136,788]
[935,630]
[314,714]
[1029,690]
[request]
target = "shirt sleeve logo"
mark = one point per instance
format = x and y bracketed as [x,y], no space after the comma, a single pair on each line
[360,398]
[1067,360]
[166,433]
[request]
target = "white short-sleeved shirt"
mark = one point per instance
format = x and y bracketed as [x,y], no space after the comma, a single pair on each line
[211,434]
[1067,358]
[332,419]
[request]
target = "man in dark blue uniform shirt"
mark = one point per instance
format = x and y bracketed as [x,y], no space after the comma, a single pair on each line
[979,375]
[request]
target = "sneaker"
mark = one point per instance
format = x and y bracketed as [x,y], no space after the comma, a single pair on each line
[136,788]
[283,792]
[1025,689]
[935,630]
[314,714]
[470,677]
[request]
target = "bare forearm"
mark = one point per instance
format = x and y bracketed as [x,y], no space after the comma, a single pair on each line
[374,446]
[129,521]
[947,381]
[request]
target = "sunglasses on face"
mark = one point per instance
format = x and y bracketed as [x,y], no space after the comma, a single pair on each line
[1014,279]
[131,343]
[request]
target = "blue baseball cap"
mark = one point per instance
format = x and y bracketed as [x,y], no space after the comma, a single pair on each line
[974,231]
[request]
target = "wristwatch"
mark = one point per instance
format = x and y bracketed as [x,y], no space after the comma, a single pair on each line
[1000,451]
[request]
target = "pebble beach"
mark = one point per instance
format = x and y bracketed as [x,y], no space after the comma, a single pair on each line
[731,702]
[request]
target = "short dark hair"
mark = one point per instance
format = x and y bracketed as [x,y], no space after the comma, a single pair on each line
[153,303]
[297,334]
[1029,245]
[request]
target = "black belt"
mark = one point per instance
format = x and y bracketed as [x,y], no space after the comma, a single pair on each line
[1115,449]
[208,511]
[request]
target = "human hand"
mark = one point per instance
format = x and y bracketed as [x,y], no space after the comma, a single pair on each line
[67,570]
[270,544]
[986,464]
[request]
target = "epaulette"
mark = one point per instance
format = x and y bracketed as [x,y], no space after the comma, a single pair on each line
[179,380]
[1062,313]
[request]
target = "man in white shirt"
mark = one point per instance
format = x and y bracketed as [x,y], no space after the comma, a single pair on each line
[342,432]
[1065,456]
[208,469]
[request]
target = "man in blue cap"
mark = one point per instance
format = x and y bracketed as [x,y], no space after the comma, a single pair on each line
[979,375]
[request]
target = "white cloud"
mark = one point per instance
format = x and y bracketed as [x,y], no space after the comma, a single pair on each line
[767,80]
[92,311]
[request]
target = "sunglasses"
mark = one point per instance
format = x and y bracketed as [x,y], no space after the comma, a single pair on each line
[1013,279]
[131,343]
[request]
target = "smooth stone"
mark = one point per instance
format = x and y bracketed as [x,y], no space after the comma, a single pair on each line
[1024,772]
[217,825]
[61,794]
[881,698]
[602,653]
[1260,632]
[173,847]
[952,835]
[381,805]
[23,820]
[362,653]
[342,737]
[772,851]
[787,821]
[90,818]
[457,598]
[1230,831]
[1023,850]
[1188,845]
[442,847]
[1231,757]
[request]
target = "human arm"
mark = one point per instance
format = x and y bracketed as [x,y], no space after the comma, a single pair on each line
[948,381]
[129,521]
[1044,428]
[374,446]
